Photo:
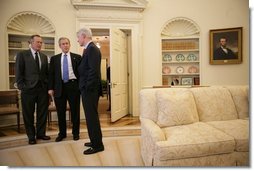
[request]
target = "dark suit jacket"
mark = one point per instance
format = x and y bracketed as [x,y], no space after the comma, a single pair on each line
[90,69]
[28,73]
[55,74]
[219,54]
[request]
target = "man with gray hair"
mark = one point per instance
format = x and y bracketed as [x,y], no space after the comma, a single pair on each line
[91,89]
[32,79]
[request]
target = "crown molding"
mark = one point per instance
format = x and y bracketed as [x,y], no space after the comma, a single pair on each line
[129,5]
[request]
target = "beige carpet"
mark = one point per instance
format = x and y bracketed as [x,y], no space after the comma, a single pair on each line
[119,151]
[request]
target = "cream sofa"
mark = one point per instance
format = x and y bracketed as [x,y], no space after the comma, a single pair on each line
[199,126]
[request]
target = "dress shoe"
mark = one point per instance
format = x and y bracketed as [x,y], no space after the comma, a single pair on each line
[76,138]
[93,150]
[60,138]
[32,141]
[44,137]
[88,144]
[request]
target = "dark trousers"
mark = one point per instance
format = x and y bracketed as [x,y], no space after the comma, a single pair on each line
[29,98]
[71,94]
[90,103]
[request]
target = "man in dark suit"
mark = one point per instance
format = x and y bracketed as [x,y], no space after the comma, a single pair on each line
[223,53]
[32,80]
[65,89]
[91,89]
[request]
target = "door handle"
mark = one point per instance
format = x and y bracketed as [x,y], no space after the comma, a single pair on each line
[114,84]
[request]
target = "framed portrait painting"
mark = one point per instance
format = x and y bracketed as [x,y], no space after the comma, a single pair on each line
[226,46]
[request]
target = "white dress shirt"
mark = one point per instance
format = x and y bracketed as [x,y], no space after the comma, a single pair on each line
[71,73]
[33,52]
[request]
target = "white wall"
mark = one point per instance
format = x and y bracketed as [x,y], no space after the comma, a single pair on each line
[208,14]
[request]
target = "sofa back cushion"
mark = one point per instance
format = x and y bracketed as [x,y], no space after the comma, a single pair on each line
[241,99]
[148,106]
[214,104]
[148,102]
[176,108]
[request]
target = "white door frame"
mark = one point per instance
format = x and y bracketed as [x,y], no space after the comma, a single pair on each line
[136,51]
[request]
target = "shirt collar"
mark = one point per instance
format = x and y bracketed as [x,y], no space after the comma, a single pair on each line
[68,54]
[33,51]
[87,44]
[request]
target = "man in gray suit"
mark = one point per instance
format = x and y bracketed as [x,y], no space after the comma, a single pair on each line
[31,78]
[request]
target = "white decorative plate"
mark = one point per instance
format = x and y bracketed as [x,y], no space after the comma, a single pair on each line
[191,57]
[167,57]
[179,70]
[180,57]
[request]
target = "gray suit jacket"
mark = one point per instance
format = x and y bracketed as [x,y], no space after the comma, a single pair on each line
[27,72]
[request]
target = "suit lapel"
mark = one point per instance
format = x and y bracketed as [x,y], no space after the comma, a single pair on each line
[59,65]
[31,56]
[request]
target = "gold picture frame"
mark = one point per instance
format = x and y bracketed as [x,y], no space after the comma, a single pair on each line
[226,46]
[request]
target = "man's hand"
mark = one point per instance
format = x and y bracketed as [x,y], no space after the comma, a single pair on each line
[51,93]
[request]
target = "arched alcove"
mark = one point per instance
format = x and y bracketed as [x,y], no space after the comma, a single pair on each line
[30,23]
[180,52]
[180,27]
[19,29]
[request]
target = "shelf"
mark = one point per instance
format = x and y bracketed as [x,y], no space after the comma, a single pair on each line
[176,74]
[12,62]
[12,76]
[179,38]
[184,62]
[175,54]
[185,50]
[20,49]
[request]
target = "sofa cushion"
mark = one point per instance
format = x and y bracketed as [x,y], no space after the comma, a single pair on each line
[175,108]
[214,104]
[239,129]
[193,140]
[240,97]
[148,105]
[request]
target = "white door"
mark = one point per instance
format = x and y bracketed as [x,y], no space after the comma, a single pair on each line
[118,74]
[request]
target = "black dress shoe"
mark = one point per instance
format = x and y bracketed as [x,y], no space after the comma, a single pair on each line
[44,137]
[32,141]
[76,138]
[93,150]
[60,138]
[88,144]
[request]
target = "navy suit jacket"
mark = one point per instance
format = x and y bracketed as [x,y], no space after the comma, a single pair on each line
[90,70]
[55,74]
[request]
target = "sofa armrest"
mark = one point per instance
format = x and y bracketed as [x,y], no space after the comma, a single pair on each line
[150,134]
[153,130]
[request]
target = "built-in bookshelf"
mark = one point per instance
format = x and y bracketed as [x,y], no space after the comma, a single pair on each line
[180,54]
[19,42]
[180,61]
